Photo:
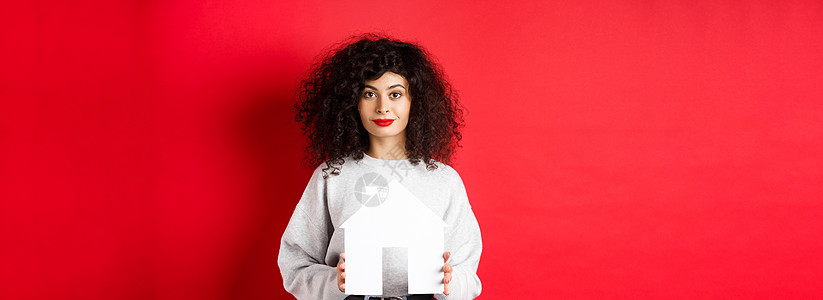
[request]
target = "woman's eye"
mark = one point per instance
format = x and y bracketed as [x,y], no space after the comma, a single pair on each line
[368,94]
[395,95]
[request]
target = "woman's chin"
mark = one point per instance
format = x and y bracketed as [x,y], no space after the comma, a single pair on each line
[385,133]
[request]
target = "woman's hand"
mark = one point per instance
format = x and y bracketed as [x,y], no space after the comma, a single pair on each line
[341,273]
[447,273]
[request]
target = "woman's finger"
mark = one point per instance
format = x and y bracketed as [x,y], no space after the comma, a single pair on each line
[447,272]
[341,273]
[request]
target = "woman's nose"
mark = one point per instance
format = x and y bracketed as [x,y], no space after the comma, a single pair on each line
[382,106]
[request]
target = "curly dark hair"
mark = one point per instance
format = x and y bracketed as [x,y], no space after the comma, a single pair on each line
[329,95]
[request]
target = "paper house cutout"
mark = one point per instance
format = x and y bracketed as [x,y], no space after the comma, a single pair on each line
[397,219]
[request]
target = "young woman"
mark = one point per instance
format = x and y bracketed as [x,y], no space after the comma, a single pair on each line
[372,111]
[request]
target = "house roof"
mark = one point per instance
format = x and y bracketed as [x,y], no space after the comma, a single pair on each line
[400,204]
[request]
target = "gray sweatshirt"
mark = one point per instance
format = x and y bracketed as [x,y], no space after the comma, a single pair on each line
[313,240]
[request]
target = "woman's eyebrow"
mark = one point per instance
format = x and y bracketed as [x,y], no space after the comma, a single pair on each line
[391,87]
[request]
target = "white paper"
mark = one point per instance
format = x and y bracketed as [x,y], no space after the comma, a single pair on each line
[400,221]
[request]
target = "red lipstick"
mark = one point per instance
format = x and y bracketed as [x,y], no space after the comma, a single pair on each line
[383,122]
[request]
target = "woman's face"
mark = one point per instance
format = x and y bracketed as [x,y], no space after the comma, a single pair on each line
[384,106]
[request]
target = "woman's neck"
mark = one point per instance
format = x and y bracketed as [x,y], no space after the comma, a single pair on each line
[392,148]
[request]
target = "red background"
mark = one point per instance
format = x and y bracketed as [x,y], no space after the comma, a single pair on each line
[614,149]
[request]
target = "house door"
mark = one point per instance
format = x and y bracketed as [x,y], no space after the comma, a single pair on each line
[395,271]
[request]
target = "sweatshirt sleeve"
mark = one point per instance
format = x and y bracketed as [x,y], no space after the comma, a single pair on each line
[304,245]
[465,244]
